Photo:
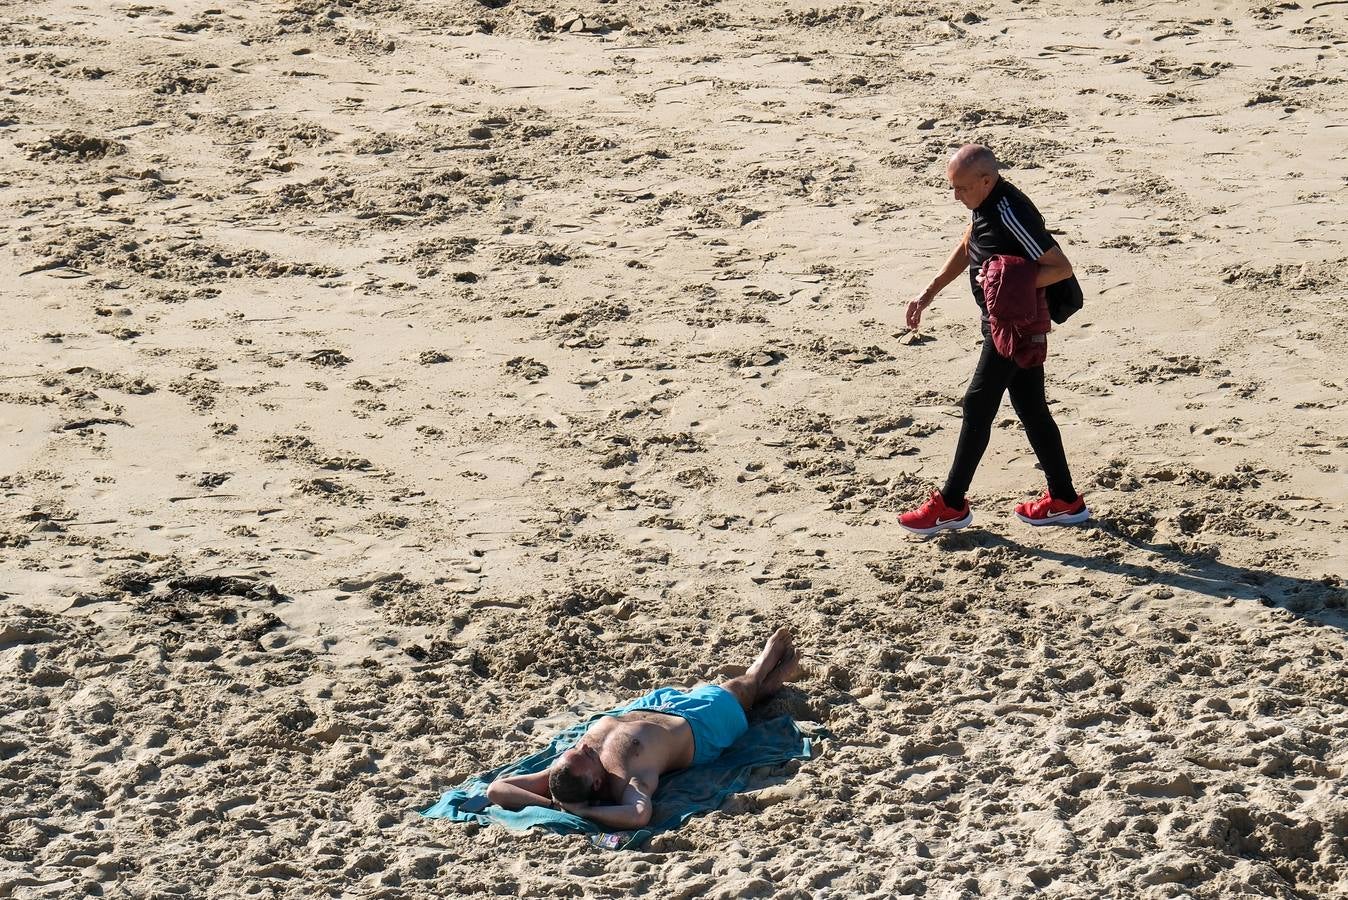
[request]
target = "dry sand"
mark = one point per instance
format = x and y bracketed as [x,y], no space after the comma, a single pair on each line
[385,384]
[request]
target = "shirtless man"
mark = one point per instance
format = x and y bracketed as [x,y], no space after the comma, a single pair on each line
[612,772]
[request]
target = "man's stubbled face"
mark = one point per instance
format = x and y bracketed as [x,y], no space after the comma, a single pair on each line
[971,187]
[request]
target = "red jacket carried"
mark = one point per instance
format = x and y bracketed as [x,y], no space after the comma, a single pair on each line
[1017,310]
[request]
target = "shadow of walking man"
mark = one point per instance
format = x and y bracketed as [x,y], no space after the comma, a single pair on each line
[1323,599]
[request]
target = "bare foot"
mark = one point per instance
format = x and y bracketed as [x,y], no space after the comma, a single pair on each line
[773,651]
[788,669]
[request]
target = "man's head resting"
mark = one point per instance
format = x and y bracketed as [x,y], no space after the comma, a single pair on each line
[576,776]
[972,172]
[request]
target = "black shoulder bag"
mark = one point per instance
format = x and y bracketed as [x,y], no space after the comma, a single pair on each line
[1064,298]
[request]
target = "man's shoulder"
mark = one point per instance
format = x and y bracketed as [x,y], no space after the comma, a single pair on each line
[1015,198]
[1003,196]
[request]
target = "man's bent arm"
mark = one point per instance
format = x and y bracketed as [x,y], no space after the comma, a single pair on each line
[519,791]
[955,264]
[1053,267]
[633,812]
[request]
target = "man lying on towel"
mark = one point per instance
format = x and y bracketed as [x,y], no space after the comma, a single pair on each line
[611,773]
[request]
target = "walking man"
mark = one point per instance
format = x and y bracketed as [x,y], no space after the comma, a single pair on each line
[1004,222]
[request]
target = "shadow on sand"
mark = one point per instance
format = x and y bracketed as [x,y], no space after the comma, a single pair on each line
[1323,600]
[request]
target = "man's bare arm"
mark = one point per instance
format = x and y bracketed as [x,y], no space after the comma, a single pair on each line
[957,262]
[633,812]
[1053,267]
[519,791]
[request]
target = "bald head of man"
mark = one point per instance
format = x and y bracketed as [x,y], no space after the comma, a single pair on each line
[972,172]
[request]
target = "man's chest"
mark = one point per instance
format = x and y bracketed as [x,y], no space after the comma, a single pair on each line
[989,238]
[643,744]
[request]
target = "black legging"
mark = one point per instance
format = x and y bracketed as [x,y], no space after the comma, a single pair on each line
[994,375]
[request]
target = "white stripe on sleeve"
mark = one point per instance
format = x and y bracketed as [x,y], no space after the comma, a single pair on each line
[1013,224]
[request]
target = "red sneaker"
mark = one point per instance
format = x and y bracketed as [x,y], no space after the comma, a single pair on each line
[1047,511]
[935,515]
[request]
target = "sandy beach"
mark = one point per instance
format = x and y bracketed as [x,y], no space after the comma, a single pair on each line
[387,384]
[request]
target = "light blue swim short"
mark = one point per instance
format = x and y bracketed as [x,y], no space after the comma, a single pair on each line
[716,717]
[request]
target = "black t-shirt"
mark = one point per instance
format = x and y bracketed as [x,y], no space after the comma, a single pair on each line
[1008,224]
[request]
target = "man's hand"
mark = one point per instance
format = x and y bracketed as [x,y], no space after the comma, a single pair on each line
[576,809]
[915,309]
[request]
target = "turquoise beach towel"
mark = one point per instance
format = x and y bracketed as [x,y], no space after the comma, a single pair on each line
[680,796]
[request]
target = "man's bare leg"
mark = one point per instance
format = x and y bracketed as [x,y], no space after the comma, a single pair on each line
[751,686]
